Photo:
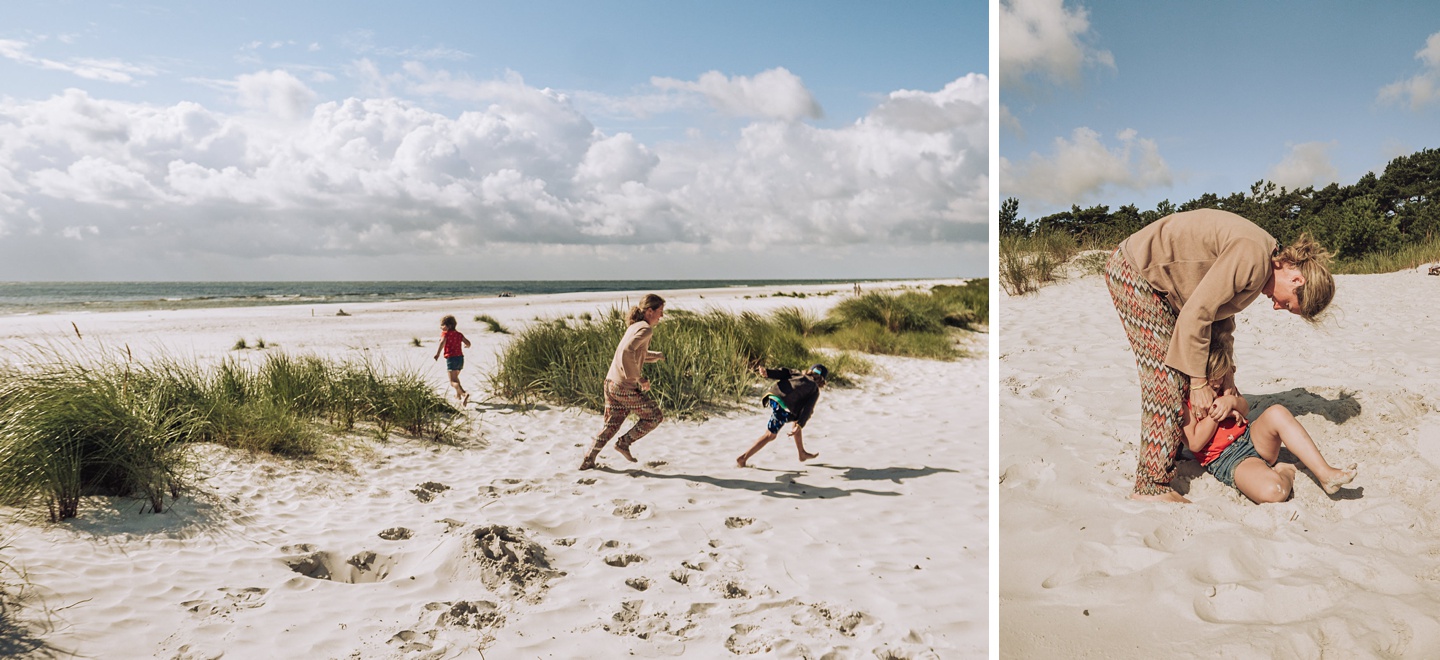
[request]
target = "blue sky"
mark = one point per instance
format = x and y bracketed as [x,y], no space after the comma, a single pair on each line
[1133,103]
[541,140]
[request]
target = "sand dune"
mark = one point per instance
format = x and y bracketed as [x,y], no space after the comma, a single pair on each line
[1085,572]
[498,546]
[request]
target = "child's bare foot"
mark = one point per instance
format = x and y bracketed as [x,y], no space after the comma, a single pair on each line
[741,461]
[625,451]
[465,399]
[805,457]
[1332,482]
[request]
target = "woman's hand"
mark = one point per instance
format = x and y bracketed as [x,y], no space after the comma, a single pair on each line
[1221,408]
[1201,397]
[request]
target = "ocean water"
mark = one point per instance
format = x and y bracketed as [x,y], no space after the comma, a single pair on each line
[44,297]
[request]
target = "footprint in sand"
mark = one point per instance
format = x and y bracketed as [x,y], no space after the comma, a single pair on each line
[656,464]
[396,534]
[749,640]
[629,510]
[731,588]
[638,583]
[474,614]
[623,560]
[410,641]
[230,601]
[364,567]
[428,491]
[1274,604]
[736,522]
[680,575]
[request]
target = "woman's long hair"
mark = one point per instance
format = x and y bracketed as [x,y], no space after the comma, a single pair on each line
[1313,261]
[649,302]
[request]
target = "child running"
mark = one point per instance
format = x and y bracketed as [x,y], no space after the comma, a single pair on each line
[450,341]
[792,399]
[1243,455]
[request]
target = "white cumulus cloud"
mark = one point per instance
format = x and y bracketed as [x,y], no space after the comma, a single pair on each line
[1083,167]
[1423,88]
[386,177]
[772,94]
[1306,164]
[1043,37]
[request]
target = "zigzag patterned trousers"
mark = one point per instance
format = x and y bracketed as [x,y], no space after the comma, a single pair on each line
[1149,323]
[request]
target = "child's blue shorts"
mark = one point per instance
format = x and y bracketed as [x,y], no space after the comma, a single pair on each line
[1223,467]
[455,363]
[778,416]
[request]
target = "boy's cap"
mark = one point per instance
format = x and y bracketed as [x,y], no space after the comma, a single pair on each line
[820,370]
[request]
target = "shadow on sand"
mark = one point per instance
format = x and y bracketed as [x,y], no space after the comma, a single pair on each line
[784,485]
[1301,402]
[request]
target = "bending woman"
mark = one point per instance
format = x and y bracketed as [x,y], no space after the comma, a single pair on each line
[1174,283]
[626,390]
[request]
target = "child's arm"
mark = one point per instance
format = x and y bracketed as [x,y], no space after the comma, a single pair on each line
[1198,432]
[441,347]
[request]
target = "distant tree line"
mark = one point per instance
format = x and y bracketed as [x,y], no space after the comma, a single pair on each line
[1375,214]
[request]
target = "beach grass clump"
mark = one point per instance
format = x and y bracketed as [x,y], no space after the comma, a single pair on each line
[1406,257]
[709,359]
[492,324]
[909,323]
[99,426]
[67,431]
[1029,262]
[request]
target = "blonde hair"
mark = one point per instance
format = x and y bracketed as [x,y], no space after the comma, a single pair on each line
[1221,360]
[1313,261]
[649,302]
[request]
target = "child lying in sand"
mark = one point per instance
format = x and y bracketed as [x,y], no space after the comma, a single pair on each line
[792,399]
[1243,455]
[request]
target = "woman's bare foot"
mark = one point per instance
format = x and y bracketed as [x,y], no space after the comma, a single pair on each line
[588,463]
[1333,481]
[805,457]
[1167,496]
[624,451]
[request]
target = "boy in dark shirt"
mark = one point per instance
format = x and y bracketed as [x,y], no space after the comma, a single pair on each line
[792,399]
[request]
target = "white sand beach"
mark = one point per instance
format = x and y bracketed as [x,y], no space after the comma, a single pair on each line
[1087,573]
[876,549]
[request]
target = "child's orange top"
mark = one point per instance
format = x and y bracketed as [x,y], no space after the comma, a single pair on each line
[1226,433]
[452,341]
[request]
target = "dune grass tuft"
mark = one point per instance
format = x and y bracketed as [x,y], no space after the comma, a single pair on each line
[709,358]
[111,426]
[492,324]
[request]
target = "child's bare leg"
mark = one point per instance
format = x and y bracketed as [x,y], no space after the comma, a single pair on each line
[460,392]
[764,440]
[1263,484]
[800,446]
[1276,426]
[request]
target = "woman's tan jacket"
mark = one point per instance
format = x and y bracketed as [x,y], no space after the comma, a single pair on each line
[1209,264]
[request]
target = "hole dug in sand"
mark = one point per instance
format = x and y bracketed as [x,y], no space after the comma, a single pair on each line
[362,568]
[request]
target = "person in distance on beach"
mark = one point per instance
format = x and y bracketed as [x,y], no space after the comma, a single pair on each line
[450,342]
[1174,284]
[1243,454]
[626,389]
[791,399]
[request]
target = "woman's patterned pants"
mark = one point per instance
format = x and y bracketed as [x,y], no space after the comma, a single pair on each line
[1149,323]
[621,399]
